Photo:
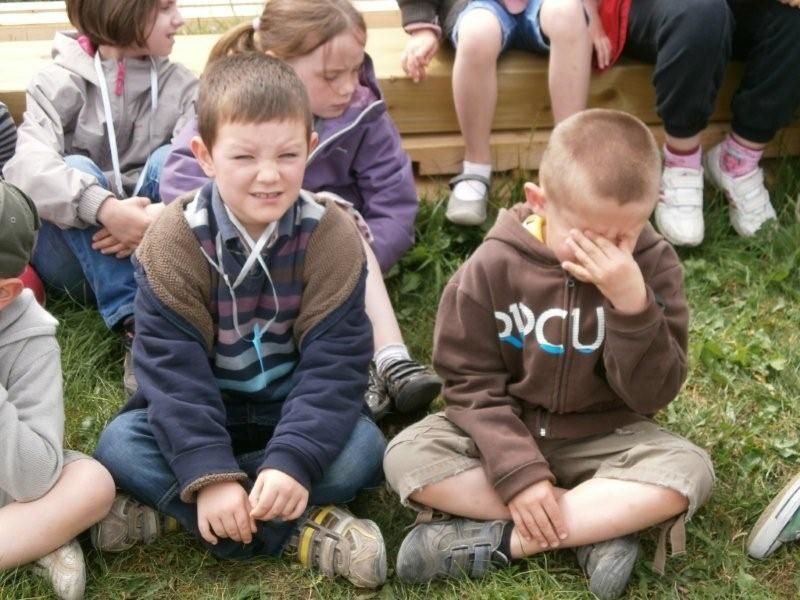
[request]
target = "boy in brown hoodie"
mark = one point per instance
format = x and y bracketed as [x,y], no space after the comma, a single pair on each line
[557,341]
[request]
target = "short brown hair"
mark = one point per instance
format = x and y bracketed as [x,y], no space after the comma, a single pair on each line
[249,88]
[292,28]
[603,153]
[113,22]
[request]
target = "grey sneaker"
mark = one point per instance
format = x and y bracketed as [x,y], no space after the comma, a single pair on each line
[410,385]
[128,379]
[127,523]
[456,548]
[331,539]
[609,565]
[66,570]
[377,397]
[467,212]
[778,524]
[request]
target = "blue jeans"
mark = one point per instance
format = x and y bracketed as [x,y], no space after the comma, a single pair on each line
[129,451]
[65,259]
[522,31]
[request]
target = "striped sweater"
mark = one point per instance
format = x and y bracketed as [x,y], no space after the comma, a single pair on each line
[8,136]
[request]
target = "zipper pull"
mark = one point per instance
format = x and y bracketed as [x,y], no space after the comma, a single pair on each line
[570,281]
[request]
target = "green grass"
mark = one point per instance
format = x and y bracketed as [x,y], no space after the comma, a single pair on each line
[740,402]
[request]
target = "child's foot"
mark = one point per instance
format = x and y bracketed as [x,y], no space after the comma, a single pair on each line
[679,212]
[128,379]
[377,397]
[66,570]
[748,198]
[778,524]
[128,522]
[609,565]
[455,548]
[410,385]
[469,196]
[331,539]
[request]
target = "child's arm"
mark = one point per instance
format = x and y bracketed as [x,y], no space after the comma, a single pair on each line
[647,320]
[32,422]
[600,40]
[182,173]
[335,345]
[421,22]
[385,183]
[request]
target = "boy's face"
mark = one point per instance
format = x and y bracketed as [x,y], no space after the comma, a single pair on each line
[330,74]
[258,168]
[620,224]
[166,22]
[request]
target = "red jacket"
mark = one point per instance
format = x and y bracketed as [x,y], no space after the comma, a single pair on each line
[614,17]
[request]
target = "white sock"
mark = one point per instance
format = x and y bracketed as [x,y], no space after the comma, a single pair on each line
[388,354]
[473,190]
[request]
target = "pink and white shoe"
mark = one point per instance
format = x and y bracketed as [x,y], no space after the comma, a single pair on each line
[679,212]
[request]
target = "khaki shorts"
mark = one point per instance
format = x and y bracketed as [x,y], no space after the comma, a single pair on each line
[435,449]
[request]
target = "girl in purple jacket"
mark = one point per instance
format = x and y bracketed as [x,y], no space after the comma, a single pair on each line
[359,159]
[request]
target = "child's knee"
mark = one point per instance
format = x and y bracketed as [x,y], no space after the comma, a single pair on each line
[564,21]
[479,35]
[94,486]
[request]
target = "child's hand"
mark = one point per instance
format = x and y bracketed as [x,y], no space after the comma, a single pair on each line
[223,509]
[610,267]
[418,53]
[537,516]
[277,495]
[124,223]
[600,41]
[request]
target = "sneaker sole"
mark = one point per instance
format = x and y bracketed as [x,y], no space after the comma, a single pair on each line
[763,540]
[417,395]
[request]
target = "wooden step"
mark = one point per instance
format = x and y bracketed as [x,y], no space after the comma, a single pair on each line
[426,107]
[41,20]
[443,154]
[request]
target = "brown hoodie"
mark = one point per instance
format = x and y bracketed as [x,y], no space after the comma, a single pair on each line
[528,352]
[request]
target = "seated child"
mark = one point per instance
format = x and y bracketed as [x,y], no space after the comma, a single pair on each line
[359,157]
[92,144]
[251,349]
[557,341]
[778,524]
[569,31]
[47,495]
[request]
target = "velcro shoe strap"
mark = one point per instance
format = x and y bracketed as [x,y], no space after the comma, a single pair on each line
[460,561]
[482,560]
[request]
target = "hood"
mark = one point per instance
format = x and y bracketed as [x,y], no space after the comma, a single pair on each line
[68,54]
[23,319]
[508,229]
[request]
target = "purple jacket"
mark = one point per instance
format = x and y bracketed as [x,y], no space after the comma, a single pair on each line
[359,158]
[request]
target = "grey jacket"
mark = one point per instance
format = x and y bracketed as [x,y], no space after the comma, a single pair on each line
[64,115]
[31,403]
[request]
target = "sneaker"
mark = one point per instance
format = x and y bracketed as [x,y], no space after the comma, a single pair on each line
[331,539]
[748,199]
[467,212]
[377,397]
[778,524]
[128,379]
[66,570]
[455,548]
[609,565]
[410,385]
[679,212]
[128,522]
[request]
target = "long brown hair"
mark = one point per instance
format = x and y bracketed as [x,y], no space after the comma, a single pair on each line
[291,28]
[113,22]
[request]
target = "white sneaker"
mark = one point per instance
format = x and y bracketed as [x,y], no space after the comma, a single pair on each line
[748,199]
[679,212]
[65,569]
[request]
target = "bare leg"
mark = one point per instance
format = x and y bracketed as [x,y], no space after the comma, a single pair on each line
[627,507]
[683,144]
[80,498]
[475,81]
[385,328]
[563,22]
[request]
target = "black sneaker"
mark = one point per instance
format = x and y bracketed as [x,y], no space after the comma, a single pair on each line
[455,548]
[410,385]
[376,396]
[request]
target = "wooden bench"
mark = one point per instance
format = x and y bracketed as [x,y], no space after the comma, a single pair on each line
[41,20]
[424,112]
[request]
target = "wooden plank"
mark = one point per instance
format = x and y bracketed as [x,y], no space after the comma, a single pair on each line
[443,154]
[21,21]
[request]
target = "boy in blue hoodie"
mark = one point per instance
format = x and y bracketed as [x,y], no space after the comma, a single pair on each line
[252,349]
